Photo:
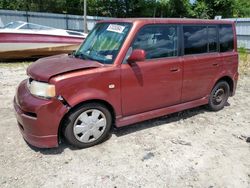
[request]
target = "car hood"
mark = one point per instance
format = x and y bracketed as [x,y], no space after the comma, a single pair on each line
[45,68]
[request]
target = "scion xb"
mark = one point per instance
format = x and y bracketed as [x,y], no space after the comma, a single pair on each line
[126,71]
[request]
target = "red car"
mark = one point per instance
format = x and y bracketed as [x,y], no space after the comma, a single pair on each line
[126,71]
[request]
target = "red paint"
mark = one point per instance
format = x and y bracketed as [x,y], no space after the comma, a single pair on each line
[40,130]
[143,89]
[51,67]
[152,84]
[137,55]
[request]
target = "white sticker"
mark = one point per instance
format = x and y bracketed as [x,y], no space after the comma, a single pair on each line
[115,28]
[109,57]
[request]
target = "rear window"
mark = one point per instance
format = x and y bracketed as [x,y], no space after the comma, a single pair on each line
[226,38]
[195,39]
[212,39]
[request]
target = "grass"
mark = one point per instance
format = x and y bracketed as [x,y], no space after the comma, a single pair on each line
[244,63]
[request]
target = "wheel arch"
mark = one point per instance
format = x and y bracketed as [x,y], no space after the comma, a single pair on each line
[230,82]
[99,101]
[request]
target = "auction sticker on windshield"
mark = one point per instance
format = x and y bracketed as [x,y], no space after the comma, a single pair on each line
[115,28]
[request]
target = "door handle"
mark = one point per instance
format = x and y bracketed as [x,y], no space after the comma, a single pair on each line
[174,69]
[215,64]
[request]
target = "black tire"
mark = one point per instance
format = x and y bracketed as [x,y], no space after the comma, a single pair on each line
[219,96]
[70,123]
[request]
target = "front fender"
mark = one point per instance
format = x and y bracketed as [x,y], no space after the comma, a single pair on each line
[89,94]
[86,95]
[94,84]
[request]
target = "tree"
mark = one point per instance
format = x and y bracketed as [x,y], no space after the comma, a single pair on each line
[223,8]
[201,10]
[180,8]
[241,8]
[136,8]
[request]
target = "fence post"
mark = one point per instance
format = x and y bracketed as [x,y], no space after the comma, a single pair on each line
[85,17]
[67,21]
[27,16]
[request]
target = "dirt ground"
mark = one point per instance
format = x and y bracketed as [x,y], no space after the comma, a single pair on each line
[194,148]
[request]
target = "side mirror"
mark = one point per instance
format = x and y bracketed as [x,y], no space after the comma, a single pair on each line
[137,55]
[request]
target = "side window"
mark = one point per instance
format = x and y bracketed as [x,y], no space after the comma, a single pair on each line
[212,39]
[157,40]
[226,38]
[195,39]
[25,27]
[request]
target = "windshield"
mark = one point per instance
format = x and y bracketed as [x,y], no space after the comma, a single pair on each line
[35,27]
[104,42]
[13,25]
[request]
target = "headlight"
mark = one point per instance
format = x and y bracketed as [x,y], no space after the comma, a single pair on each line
[41,89]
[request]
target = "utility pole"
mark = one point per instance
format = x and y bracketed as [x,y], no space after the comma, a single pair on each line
[85,17]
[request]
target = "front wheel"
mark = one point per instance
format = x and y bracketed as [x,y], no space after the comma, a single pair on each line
[87,125]
[219,96]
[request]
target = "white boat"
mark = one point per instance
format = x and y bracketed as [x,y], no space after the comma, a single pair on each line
[21,40]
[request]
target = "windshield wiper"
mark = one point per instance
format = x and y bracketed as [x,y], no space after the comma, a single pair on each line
[84,56]
[81,56]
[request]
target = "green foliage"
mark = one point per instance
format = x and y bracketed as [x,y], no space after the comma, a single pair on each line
[223,8]
[242,8]
[111,8]
[201,10]
[180,8]
[242,51]
[136,8]
[244,64]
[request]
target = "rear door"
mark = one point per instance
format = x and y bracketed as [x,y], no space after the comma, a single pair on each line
[157,81]
[228,49]
[201,60]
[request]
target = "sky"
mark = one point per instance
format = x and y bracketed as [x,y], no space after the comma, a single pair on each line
[192,1]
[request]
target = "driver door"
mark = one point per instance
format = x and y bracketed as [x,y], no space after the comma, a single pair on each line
[155,82]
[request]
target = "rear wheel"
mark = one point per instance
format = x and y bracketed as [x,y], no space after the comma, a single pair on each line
[219,96]
[87,125]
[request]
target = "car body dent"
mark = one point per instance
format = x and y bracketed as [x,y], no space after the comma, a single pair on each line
[95,87]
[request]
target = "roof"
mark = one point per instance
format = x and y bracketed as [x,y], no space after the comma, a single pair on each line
[169,20]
